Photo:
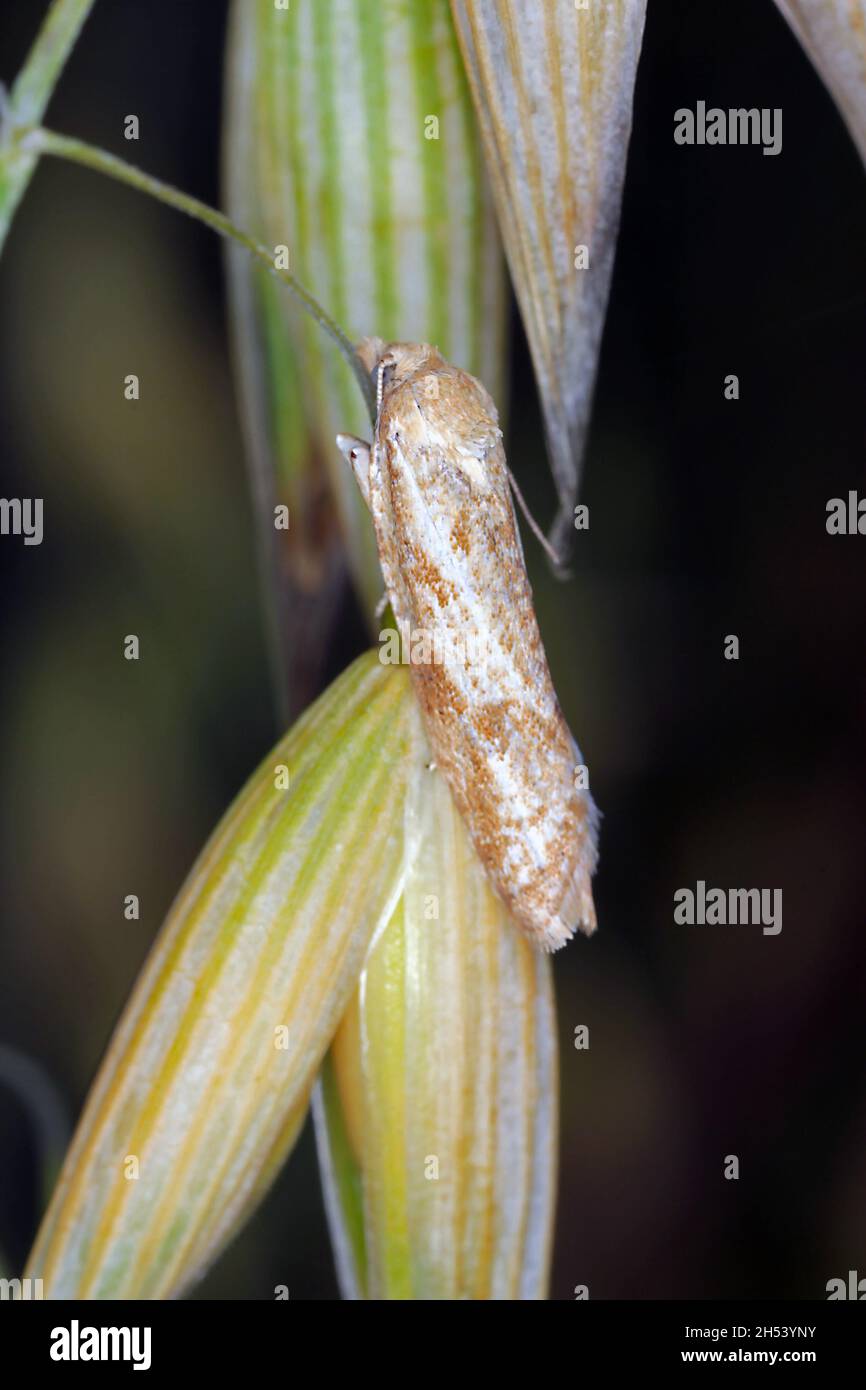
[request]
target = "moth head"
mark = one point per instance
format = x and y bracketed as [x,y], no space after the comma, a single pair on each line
[391,363]
[371,351]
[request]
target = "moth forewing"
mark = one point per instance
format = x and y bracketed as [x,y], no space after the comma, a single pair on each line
[437,486]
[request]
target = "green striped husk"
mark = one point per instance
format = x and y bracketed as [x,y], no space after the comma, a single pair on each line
[329,105]
[437,1110]
[553,86]
[269,933]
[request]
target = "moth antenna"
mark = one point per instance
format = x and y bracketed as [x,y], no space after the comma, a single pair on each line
[380,385]
[532,523]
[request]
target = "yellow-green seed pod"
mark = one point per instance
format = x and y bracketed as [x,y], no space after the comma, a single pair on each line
[350,143]
[437,1113]
[207,1078]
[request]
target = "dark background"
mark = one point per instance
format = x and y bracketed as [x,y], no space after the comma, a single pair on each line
[707,518]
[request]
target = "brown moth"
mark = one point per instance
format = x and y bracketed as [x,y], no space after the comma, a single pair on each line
[437,485]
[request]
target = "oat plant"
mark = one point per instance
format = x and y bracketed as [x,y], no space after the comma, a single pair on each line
[337,940]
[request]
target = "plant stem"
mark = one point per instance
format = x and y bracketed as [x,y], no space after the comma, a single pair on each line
[41,141]
[31,93]
[37,79]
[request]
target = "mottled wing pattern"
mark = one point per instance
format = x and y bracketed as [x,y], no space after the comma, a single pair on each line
[454,569]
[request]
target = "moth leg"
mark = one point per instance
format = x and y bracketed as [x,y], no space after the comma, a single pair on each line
[382,605]
[357,454]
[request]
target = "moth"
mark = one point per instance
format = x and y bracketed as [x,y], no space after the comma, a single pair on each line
[437,485]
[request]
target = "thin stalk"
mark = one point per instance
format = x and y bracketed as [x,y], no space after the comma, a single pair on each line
[37,79]
[41,141]
[30,95]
